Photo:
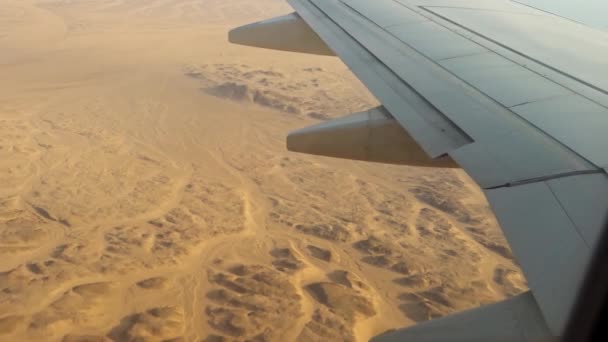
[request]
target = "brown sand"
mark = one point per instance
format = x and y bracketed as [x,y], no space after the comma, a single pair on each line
[146,194]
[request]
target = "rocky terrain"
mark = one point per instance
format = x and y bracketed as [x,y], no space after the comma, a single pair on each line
[146,193]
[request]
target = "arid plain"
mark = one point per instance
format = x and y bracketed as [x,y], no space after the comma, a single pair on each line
[146,193]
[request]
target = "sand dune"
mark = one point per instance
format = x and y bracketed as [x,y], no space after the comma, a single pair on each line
[146,194]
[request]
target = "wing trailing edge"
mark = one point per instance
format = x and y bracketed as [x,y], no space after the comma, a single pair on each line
[287,33]
[373,135]
[517,319]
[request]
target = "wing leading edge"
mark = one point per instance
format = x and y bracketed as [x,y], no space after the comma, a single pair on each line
[527,128]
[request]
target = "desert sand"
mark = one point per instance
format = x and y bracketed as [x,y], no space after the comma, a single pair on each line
[146,193]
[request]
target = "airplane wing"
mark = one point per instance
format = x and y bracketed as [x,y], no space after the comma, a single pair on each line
[514,94]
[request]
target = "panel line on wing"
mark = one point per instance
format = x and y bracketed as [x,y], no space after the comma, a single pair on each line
[526,56]
[576,227]
[545,178]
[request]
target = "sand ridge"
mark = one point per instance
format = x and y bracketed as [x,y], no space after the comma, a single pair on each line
[146,194]
[298,92]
